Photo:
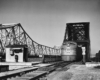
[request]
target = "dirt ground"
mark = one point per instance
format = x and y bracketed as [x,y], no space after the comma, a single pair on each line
[75,72]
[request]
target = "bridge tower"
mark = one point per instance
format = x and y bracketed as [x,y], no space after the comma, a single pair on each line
[79,33]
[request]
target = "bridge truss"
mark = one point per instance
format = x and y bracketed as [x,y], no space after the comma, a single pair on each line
[14,34]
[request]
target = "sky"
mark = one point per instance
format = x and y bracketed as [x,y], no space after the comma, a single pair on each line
[45,20]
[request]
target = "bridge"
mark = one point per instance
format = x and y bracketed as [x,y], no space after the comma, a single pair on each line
[14,34]
[76,34]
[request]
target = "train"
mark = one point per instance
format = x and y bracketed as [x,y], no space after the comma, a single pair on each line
[76,43]
[69,51]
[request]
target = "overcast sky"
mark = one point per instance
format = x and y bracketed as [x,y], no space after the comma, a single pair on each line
[45,20]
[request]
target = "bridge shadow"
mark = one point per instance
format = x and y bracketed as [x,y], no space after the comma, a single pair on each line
[79,55]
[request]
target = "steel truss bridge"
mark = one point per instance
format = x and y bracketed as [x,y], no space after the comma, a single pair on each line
[14,34]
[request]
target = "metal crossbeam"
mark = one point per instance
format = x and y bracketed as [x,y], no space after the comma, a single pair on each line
[14,34]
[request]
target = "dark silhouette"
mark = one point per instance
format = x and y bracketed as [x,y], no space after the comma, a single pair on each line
[79,54]
[16,58]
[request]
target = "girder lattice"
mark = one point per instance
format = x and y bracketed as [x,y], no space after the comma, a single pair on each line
[14,34]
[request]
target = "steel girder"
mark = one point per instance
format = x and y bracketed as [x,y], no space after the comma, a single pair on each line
[14,34]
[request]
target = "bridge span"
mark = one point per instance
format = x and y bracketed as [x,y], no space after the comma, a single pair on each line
[14,34]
